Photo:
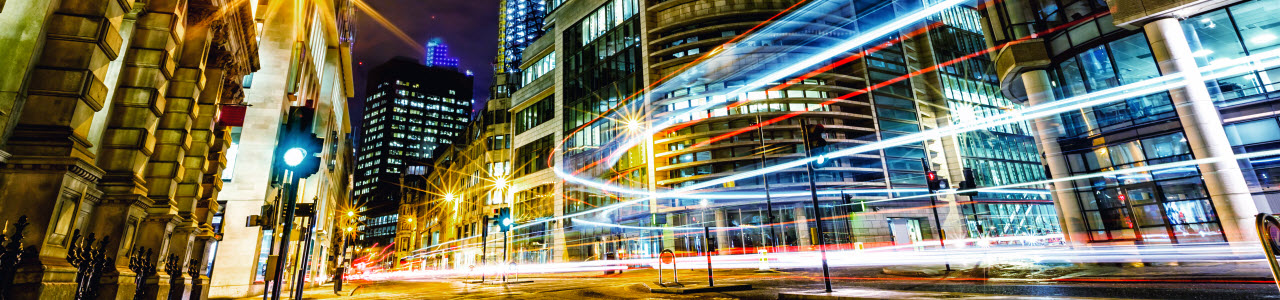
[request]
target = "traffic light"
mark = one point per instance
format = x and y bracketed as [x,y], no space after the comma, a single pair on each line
[855,206]
[504,219]
[969,183]
[813,137]
[935,183]
[299,149]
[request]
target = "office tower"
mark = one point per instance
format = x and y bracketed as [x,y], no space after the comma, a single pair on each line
[1077,50]
[410,111]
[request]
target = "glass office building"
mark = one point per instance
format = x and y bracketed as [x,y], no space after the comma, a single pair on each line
[1088,48]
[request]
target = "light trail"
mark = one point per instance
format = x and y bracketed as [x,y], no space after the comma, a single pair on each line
[962,252]
[377,17]
[1245,64]
[860,40]
[1237,66]
[877,86]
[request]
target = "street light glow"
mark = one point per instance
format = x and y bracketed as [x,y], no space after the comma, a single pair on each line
[294,156]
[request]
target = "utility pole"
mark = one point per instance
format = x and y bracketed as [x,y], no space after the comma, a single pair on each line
[813,139]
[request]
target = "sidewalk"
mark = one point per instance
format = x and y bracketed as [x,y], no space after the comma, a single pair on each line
[324,291]
[1166,272]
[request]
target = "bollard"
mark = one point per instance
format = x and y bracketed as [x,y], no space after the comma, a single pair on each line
[668,256]
[706,240]
[764,260]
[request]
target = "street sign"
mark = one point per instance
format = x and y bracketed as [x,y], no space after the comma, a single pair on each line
[1269,235]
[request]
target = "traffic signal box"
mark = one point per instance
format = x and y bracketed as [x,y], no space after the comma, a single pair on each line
[298,135]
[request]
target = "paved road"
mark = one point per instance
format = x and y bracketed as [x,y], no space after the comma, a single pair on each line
[869,281]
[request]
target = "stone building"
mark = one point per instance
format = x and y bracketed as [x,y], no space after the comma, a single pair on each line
[306,62]
[112,123]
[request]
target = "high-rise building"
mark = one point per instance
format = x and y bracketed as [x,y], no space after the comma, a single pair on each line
[410,111]
[438,55]
[1068,52]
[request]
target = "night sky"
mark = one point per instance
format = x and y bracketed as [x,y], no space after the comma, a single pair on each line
[469,27]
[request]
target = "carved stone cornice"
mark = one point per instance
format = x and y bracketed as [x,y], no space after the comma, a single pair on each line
[42,164]
[201,11]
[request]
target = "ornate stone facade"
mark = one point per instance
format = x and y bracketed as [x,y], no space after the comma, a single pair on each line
[109,125]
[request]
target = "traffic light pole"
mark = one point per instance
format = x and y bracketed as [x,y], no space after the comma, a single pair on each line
[484,245]
[290,199]
[817,211]
[933,204]
[506,253]
[768,200]
[300,283]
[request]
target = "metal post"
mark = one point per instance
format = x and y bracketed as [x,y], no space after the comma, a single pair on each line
[1265,225]
[506,255]
[484,245]
[817,211]
[768,200]
[291,193]
[706,240]
[933,204]
[306,258]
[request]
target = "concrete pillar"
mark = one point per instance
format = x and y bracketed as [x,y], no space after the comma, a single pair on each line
[722,236]
[1047,131]
[1203,128]
[802,227]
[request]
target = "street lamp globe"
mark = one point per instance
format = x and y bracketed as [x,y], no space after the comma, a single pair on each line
[294,156]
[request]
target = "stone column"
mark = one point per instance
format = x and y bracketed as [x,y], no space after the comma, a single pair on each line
[1047,132]
[55,58]
[802,227]
[1203,128]
[722,236]
[130,139]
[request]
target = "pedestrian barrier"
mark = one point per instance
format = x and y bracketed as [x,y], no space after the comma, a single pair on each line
[11,256]
[142,266]
[668,257]
[89,261]
[1269,235]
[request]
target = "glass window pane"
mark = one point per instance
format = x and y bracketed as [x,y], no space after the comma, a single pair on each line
[1253,132]
[1256,22]
[1187,212]
[1182,189]
[1213,38]
[1097,69]
[1165,146]
[1133,59]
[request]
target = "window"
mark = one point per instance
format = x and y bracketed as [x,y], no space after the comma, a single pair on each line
[537,69]
[232,152]
[499,142]
[533,157]
[536,114]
